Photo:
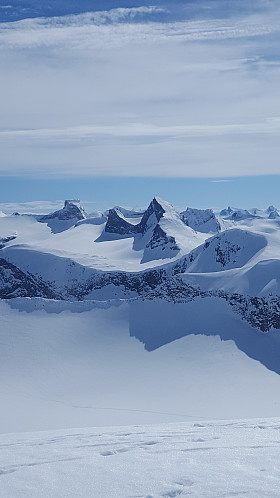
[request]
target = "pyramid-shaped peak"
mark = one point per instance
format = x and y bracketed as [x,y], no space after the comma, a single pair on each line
[74,208]
[71,213]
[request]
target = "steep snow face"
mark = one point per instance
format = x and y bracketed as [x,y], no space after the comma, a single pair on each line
[263,279]
[166,235]
[61,220]
[201,220]
[231,249]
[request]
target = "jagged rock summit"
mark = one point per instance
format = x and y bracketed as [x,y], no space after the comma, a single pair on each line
[119,219]
[159,232]
[64,218]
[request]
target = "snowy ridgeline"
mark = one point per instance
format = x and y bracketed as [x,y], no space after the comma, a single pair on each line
[149,254]
[201,459]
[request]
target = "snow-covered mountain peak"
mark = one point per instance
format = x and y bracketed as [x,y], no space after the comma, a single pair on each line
[72,208]
[272,213]
[201,220]
[271,209]
[64,218]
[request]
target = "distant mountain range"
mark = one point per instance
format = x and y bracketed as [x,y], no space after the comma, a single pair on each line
[157,253]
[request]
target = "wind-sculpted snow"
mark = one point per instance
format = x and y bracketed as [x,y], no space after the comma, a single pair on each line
[201,458]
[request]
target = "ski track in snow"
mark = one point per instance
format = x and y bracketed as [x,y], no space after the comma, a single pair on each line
[204,459]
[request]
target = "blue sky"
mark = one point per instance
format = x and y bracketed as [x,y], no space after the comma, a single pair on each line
[119,101]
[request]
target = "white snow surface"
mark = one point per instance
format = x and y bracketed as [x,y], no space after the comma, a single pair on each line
[78,364]
[211,459]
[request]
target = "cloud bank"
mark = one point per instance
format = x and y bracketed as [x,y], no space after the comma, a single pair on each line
[117,93]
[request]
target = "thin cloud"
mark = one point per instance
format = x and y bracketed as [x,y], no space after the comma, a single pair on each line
[116,93]
[33,207]
[130,130]
[221,181]
[108,29]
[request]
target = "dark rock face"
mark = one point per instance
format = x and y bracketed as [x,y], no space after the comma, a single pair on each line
[71,210]
[164,245]
[16,283]
[64,218]
[153,208]
[118,225]
[160,240]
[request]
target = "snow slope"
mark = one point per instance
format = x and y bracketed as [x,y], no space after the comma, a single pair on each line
[84,364]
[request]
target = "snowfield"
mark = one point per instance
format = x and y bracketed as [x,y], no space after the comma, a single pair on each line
[216,459]
[89,364]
